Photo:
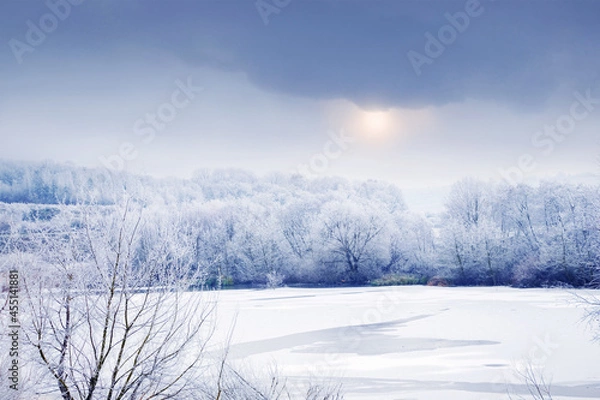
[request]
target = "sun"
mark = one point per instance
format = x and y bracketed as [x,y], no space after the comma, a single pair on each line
[380,126]
[376,124]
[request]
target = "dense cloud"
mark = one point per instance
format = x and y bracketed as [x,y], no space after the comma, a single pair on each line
[514,52]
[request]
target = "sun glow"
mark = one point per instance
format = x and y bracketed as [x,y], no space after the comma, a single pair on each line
[380,126]
[376,123]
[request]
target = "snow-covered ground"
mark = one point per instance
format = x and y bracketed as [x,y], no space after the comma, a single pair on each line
[416,342]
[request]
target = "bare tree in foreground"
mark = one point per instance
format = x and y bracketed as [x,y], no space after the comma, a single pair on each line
[235,386]
[535,383]
[109,312]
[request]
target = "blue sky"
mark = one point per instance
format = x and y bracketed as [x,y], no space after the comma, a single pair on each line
[274,94]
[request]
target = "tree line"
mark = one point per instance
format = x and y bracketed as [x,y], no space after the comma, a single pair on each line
[285,229]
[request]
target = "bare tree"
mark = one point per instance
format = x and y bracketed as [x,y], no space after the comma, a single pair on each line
[535,383]
[350,234]
[234,386]
[109,312]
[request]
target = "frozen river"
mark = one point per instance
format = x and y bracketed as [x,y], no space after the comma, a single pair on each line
[416,342]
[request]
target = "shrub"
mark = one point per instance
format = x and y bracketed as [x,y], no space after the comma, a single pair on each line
[274,280]
[437,281]
[41,214]
[398,280]
[213,282]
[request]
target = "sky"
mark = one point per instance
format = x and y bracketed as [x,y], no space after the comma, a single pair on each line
[419,93]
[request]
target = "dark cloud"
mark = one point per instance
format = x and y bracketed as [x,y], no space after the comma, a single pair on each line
[515,52]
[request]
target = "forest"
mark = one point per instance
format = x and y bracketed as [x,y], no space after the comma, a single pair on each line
[240,229]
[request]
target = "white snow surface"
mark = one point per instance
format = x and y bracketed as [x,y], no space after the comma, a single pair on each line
[416,342]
